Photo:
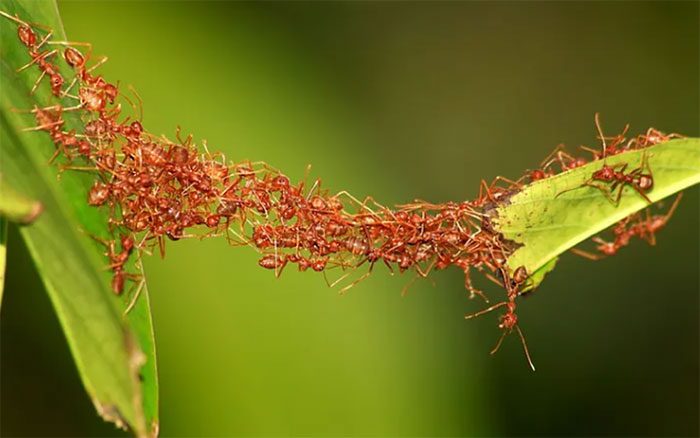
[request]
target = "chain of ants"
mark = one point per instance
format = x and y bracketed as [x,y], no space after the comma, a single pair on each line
[157,189]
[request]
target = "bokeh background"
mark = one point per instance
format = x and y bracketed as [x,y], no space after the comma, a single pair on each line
[399,100]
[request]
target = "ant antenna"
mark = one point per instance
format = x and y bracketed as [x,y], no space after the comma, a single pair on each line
[600,132]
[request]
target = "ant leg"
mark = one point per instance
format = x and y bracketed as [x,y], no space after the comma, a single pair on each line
[43,127]
[672,210]
[404,290]
[646,233]
[64,93]
[572,189]
[586,254]
[97,64]
[278,272]
[137,294]
[487,310]
[138,97]
[494,350]
[494,279]
[423,272]
[61,149]
[336,281]
[595,152]
[505,180]
[316,186]
[106,243]
[161,246]
[15,19]
[64,167]
[664,219]
[606,191]
[351,285]
[527,352]
[552,157]
[637,189]
[472,290]
[73,43]
[484,187]
[37,82]
[36,59]
[361,205]
[391,268]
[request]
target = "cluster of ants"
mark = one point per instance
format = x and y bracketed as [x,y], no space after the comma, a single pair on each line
[158,189]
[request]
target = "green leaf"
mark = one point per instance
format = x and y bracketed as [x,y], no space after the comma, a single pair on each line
[16,207]
[552,215]
[114,354]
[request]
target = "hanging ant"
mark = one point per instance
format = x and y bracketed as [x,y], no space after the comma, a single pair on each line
[509,320]
[626,229]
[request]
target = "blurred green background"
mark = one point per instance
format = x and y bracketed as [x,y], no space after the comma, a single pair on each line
[399,100]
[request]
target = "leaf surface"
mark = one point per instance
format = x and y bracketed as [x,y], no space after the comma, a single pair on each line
[114,354]
[550,216]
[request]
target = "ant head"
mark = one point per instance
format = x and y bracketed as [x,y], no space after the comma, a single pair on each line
[520,275]
[606,173]
[98,194]
[213,220]
[179,155]
[319,265]
[654,136]
[317,203]
[127,243]
[537,174]
[580,162]
[136,128]
[111,92]
[608,248]
[280,182]
[508,320]
[405,262]
[335,204]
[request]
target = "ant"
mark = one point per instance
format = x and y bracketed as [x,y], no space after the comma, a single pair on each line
[565,160]
[28,37]
[610,144]
[509,320]
[640,179]
[645,229]
[651,137]
[118,260]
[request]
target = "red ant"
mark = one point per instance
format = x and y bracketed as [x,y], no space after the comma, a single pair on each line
[558,155]
[29,38]
[610,144]
[623,231]
[640,179]
[651,137]
[509,320]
